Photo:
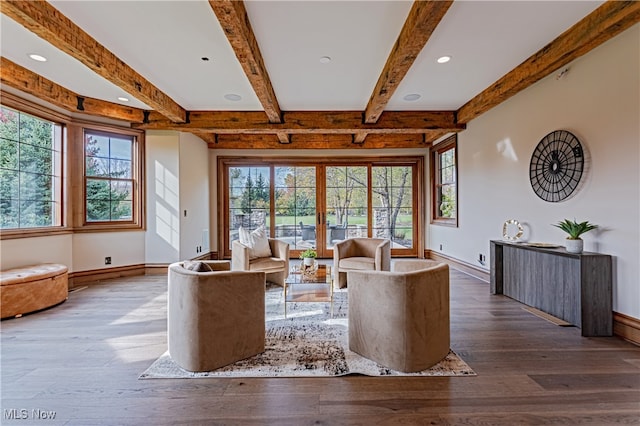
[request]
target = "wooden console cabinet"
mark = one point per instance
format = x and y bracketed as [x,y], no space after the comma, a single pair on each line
[572,287]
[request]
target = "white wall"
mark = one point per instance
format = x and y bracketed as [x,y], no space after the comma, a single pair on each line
[194,196]
[162,239]
[124,248]
[30,251]
[599,101]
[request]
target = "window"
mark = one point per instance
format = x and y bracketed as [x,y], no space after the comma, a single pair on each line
[444,170]
[316,202]
[249,200]
[393,206]
[62,175]
[108,177]
[30,171]
[295,205]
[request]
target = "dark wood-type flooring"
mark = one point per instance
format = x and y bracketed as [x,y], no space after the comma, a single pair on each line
[81,360]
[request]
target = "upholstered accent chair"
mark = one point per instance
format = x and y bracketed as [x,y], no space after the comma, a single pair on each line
[400,319]
[355,254]
[275,264]
[215,316]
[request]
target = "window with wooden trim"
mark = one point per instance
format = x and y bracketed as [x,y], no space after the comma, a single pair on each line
[30,171]
[444,178]
[112,178]
[315,202]
[53,180]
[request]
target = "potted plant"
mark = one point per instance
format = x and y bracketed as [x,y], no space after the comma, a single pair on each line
[574,230]
[308,256]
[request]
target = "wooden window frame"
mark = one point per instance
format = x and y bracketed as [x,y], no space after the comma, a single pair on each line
[418,177]
[80,224]
[72,176]
[60,121]
[435,155]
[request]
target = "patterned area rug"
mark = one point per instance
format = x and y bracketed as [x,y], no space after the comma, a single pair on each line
[310,342]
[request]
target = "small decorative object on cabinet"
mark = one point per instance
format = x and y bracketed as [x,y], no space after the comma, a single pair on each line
[512,230]
[574,243]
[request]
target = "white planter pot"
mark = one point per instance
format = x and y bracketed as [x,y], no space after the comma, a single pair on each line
[574,246]
[308,261]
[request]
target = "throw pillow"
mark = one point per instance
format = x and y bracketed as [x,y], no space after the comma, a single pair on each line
[196,266]
[257,241]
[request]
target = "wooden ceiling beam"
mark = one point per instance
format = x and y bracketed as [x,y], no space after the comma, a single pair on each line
[604,23]
[307,122]
[283,138]
[422,20]
[20,78]
[233,18]
[359,137]
[316,141]
[51,25]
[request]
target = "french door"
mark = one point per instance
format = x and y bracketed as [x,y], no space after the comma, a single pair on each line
[314,204]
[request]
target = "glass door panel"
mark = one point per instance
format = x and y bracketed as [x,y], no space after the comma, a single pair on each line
[392,200]
[295,206]
[346,214]
[314,205]
[249,200]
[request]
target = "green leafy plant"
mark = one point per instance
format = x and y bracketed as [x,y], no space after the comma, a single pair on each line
[309,253]
[575,229]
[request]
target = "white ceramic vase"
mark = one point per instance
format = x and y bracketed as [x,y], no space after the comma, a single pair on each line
[574,246]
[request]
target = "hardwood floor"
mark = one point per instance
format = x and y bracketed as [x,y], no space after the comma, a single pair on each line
[81,360]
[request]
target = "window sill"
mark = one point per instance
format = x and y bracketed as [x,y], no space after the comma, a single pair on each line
[14,234]
[452,223]
[112,227]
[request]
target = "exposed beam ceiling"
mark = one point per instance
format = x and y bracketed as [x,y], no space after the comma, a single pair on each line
[604,23]
[51,25]
[321,141]
[371,128]
[20,78]
[423,19]
[233,18]
[308,122]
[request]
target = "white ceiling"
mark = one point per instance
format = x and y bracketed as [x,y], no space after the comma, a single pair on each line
[165,41]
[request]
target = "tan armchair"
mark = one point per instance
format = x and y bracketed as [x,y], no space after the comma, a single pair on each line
[400,319]
[214,318]
[353,254]
[276,266]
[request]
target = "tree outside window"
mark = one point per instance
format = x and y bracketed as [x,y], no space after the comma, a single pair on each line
[30,171]
[109,178]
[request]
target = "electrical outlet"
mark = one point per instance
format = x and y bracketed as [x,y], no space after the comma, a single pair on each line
[107,260]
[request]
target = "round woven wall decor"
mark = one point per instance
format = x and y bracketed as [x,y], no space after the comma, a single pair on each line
[556,166]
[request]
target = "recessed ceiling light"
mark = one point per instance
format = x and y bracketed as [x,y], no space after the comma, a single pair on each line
[325,59]
[123,99]
[412,97]
[443,59]
[232,97]
[37,57]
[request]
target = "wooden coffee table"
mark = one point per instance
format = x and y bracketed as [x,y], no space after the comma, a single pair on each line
[309,287]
